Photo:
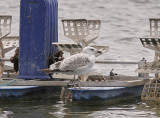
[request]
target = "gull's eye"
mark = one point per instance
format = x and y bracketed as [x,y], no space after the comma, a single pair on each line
[92,49]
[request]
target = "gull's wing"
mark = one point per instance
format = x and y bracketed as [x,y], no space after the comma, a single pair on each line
[55,65]
[77,61]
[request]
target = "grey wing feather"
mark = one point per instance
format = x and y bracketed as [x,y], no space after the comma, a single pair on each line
[75,62]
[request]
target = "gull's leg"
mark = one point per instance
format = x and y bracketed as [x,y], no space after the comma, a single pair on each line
[74,82]
[79,83]
[50,75]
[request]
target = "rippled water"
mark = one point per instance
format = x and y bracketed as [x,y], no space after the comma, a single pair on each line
[51,107]
[123,22]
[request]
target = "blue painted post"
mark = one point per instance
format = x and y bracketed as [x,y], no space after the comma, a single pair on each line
[38,29]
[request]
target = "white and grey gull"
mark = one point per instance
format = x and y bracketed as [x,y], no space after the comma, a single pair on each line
[76,64]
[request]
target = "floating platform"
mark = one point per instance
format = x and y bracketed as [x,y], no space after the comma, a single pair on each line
[112,87]
[16,91]
[104,93]
[115,85]
[27,64]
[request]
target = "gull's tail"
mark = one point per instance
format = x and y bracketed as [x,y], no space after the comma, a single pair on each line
[52,68]
[47,70]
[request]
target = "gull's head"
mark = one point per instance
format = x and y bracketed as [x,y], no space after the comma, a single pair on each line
[91,51]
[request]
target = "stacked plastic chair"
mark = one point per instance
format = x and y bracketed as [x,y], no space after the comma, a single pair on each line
[82,32]
[151,91]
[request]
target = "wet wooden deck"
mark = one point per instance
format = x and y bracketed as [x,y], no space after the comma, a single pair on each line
[107,83]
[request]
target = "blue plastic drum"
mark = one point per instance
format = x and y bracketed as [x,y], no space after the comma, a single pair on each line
[38,29]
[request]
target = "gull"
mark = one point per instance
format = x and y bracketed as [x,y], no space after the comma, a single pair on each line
[76,64]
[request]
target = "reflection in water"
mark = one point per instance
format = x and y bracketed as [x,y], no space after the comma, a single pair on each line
[150,107]
[49,106]
[131,108]
[5,114]
[58,110]
[122,112]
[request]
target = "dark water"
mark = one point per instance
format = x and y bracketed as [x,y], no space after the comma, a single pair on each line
[123,22]
[51,107]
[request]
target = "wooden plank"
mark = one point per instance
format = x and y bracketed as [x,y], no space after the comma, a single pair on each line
[63,76]
[148,70]
[110,83]
[115,83]
[115,62]
[20,82]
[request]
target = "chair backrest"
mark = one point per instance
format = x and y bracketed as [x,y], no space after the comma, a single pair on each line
[5,25]
[154,27]
[72,48]
[81,31]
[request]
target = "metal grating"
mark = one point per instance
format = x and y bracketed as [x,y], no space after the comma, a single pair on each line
[151,91]
[72,48]
[5,25]
[94,28]
[151,67]
[81,31]
[76,29]
[151,43]
[154,27]
[10,42]
[75,48]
